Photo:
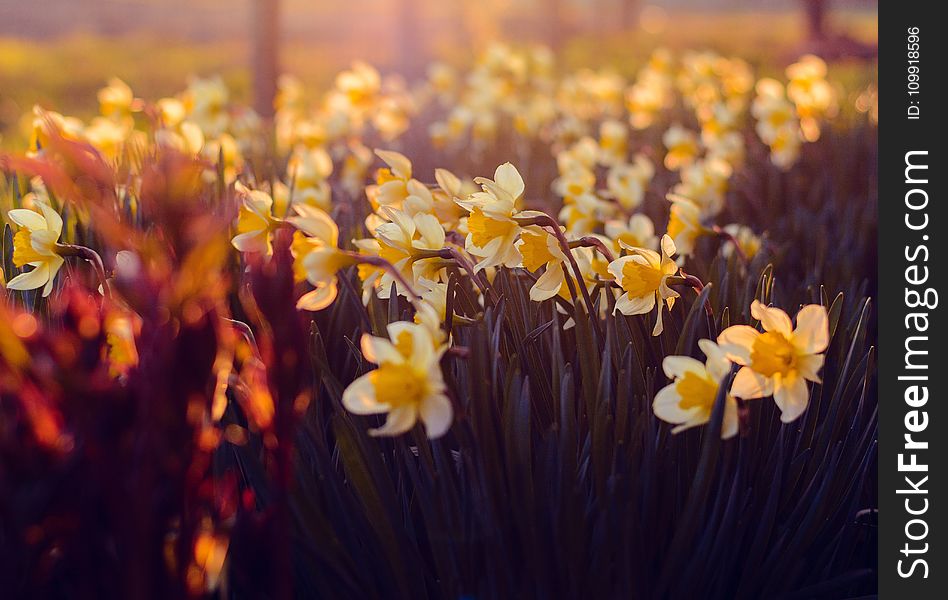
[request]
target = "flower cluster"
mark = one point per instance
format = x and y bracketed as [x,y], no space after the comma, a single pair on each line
[600,255]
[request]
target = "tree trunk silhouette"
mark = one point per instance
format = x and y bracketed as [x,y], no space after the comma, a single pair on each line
[816,18]
[629,13]
[410,42]
[264,50]
[554,23]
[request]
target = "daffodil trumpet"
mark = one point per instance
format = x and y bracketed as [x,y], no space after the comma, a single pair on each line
[90,256]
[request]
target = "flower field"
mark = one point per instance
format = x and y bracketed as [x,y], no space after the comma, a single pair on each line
[509,330]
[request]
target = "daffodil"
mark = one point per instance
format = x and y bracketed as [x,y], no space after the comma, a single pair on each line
[206,102]
[684,224]
[407,243]
[116,100]
[682,146]
[541,249]
[626,183]
[309,170]
[391,182]
[613,142]
[643,277]
[492,230]
[408,384]
[254,221]
[781,360]
[637,232]
[748,242]
[35,245]
[689,400]
[317,255]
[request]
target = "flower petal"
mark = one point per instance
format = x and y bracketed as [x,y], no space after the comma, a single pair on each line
[359,397]
[399,421]
[667,406]
[737,341]
[508,178]
[30,280]
[437,415]
[772,318]
[25,217]
[749,385]
[318,299]
[675,367]
[812,333]
[792,396]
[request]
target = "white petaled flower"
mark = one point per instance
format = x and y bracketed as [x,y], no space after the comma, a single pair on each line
[541,249]
[407,384]
[34,245]
[781,360]
[689,400]
[254,221]
[491,227]
[643,277]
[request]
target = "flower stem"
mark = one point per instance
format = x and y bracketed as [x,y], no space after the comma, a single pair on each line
[93,258]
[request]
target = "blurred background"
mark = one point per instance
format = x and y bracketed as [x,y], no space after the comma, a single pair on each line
[57,53]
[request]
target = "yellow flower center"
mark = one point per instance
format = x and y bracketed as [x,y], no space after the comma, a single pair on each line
[247,221]
[398,385]
[630,239]
[391,253]
[405,343]
[384,175]
[696,391]
[23,252]
[535,251]
[640,280]
[773,353]
[484,229]
[300,248]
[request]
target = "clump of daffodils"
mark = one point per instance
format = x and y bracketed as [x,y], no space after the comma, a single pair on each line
[597,254]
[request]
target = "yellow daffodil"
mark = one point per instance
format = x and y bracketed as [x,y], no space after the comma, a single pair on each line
[626,183]
[637,232]
[748,242]
[407,242]
[613,142]
[492,230]
[255,221]
[682,146]
[309,170]
[780,360]
[116,100]
[317,255]
[35,245]
[407,384]
[391,182]
[541,249]
[643,277]
[705,183]
[684,224]
[689,400]
[206,103]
